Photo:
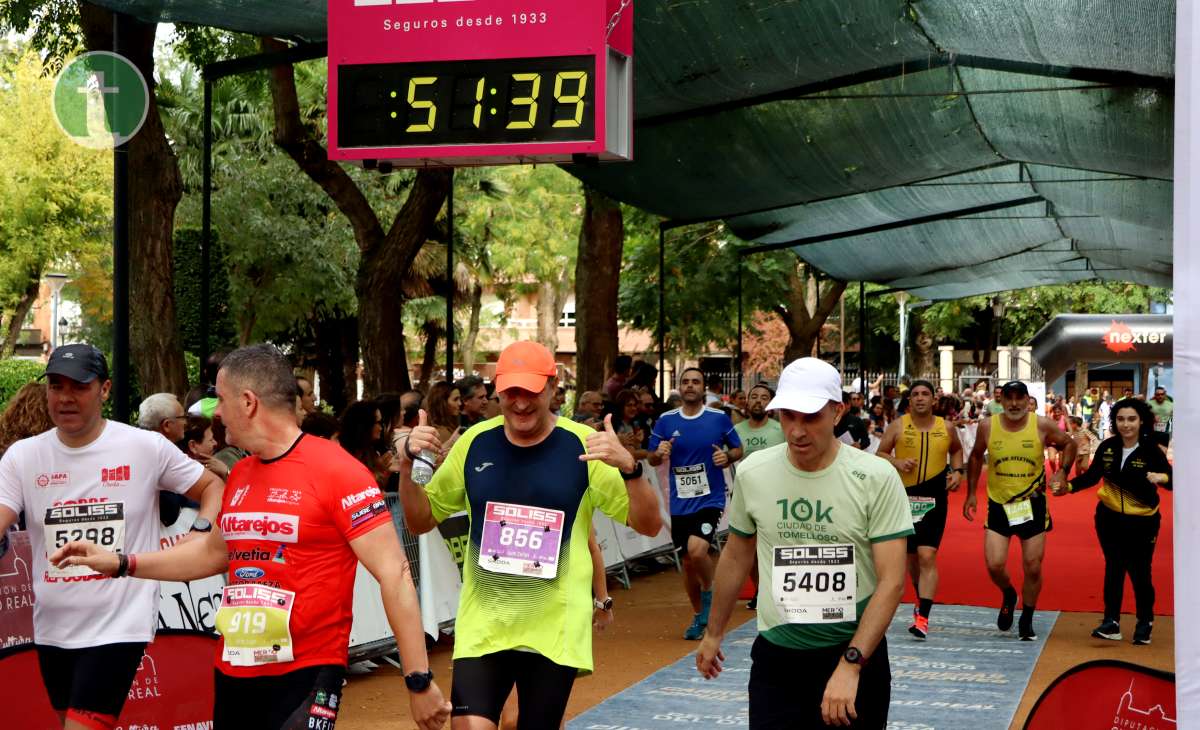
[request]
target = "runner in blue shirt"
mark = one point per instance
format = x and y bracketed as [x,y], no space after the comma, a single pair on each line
[697,443]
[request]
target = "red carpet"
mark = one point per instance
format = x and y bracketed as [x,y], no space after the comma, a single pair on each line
[1074,567]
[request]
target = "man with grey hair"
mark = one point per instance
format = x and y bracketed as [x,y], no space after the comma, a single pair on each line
[299,513]
[474,400]
[163,412]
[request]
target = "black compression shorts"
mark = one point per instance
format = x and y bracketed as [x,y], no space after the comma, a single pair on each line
[928,526]
[702,523]
[306,699]
[90,684]
[998,520]
[482,684]
[788,685]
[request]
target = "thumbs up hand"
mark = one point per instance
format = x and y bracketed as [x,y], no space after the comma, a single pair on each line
[422,437]
[604,445]
[720,457]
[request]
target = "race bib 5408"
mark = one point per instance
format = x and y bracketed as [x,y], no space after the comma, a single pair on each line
[815,584]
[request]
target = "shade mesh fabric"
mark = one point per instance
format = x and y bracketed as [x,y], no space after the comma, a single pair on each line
[998,118]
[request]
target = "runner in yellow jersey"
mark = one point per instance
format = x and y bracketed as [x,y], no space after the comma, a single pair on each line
[1015,440]
[929,457]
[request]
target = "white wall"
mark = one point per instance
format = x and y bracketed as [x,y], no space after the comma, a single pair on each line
[1187,363]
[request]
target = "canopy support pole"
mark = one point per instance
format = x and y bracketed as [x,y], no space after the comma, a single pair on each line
[862,339]
[120,370]
[662,314]
[206,225]
[740,373]
[450,282]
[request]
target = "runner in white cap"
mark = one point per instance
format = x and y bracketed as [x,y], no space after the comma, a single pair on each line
[830,526]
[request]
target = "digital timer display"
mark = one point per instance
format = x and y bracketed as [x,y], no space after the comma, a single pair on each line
[506,101]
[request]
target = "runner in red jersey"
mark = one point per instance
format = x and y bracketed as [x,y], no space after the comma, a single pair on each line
[297,515]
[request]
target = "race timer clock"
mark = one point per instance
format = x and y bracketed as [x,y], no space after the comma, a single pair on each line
[479,81]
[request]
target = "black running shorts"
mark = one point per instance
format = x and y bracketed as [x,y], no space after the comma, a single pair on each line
[306,699]
[92,682]
[998,520]
[930,527]
[787,686]
[702,523]
[482,684]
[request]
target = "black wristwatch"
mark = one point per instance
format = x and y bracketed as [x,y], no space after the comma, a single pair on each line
[201,525]
[605,605]
[854,656]
[635,474]
[418,682]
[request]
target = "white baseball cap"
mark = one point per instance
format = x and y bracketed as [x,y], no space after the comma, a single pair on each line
[807,385]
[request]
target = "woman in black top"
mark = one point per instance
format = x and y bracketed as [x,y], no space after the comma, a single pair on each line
[1132,467]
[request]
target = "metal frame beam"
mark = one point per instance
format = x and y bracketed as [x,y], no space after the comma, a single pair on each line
[916,65]
[264,61]
[908,222]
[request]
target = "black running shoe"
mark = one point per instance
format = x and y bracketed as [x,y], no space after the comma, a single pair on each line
[1004,620]
[1108,629]
[1025,629]
[1141,633]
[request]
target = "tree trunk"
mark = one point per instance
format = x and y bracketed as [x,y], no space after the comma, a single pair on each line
[597,283]
[433,333]
[806,311]
[337,360]
[28,297]
[155,188]
[1081,379]
[386,258]
[472,334]
[551,298]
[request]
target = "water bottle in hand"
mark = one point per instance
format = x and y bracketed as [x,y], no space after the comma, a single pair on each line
[422,468]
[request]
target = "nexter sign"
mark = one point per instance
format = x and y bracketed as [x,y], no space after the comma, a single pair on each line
[1123,338]
[1098,338]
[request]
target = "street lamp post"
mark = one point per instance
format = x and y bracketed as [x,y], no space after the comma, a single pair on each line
[56,283]
[997,316]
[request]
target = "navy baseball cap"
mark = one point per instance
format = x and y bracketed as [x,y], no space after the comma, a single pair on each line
[1014,387]
[79,362]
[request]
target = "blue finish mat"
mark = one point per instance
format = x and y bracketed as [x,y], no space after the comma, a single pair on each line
[968,675]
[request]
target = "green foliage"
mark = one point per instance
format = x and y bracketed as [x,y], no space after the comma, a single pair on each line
[290,256]
[1028,310]
[55,196]
[53,26]
[16,373]
[201,45]
[701,283]
[188,276]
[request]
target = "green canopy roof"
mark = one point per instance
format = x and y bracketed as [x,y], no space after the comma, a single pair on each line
[943,147]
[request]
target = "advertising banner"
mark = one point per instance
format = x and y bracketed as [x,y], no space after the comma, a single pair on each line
[1106,694]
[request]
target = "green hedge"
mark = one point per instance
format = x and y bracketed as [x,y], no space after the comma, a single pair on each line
[14,374]
[222,331]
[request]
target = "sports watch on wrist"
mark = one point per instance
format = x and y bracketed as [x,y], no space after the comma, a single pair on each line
[635,474]
[201,525]
[854,656]
[418,682]
[605,605]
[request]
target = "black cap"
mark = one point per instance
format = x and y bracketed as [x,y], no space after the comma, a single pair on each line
[1013,387]
[80,362]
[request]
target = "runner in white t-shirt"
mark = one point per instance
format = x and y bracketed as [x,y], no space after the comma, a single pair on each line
[96,480]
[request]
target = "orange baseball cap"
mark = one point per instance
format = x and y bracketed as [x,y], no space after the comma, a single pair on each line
[526,365]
